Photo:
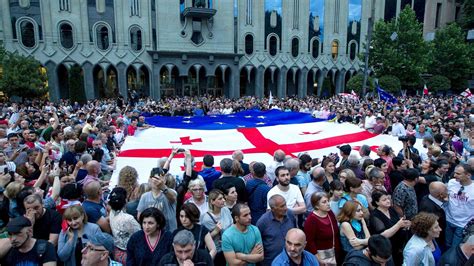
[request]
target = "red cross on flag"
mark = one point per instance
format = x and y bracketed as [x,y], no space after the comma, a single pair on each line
[257,134]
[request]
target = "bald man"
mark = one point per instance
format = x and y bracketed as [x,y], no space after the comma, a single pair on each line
[294,253]
[278,158]
[433,202]
[239,156]
[93,206]
[93,172]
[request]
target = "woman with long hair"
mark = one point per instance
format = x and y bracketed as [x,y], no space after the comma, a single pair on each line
[354,231]
[189,220]
[322,231]
[128,179]
[217,220]
[131,206]
[149,245]
[72,240]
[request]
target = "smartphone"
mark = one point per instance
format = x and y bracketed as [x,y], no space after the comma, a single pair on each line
[5,170]
[180,150]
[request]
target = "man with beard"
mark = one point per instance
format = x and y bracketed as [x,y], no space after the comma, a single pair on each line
[294,253]
[291,193]
[24,249]
[303,176]
[47,222]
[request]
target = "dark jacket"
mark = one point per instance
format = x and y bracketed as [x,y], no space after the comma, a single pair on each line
[427,205]
[138,252]
[200,257]
[210,175]
[357,258]
[454,256]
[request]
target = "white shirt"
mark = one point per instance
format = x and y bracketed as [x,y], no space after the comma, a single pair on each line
[460,208]
[271,169]
[398,130]
[292,196]
[370,122]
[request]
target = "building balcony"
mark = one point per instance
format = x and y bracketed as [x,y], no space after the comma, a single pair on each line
[198,12]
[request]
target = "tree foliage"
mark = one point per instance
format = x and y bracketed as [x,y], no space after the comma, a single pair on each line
[76,84]
[22,76]
[453,55]
[355,83]
[439,83]
[390,83]
[468,14]
[398,49]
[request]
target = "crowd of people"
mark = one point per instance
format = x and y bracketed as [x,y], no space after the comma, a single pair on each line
[367,207]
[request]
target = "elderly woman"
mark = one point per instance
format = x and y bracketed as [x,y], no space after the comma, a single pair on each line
[217,220]
[196,187]
[73,239]
[123,225]
[189,220]
[422,248]
[354,231]
[149,245]
[322,231]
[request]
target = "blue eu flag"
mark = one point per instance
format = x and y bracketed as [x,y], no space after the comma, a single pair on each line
[385,96]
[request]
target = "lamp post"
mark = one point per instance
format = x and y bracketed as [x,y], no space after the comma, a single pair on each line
[370,29]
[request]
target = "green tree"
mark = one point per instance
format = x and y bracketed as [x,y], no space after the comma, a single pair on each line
[468,15]
[390,83]
[22,76]
[398,49]
[76,85]
[438,83]
[355,83]
[453,55]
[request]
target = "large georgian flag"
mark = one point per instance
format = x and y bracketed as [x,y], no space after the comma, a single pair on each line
[258,134]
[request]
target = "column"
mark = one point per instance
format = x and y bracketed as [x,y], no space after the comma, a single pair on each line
[53,82]
[281,83]
[322,74]
[302,83]
[155,84]
[260,82]
[122,79]
[234,86]
[89,85]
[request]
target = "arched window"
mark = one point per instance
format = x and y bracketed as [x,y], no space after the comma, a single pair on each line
[315,48]
[334,49]
[67,39]
[103,39]
[352,50]
[295,47]
[273,45]
[248,44]
[136,38]
[27,34]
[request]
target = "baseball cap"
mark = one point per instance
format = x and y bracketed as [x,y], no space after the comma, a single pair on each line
[346,148]
[102,239]
[16,224]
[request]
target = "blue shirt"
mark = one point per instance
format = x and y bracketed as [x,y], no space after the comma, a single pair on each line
[308,259]
[257,191]
[94,211]
[361,198]
[209,175]
[273,233]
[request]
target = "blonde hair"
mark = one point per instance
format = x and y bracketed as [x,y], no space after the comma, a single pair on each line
[197,182]
[12,190]
[73,212]
[434,150]
[128,179]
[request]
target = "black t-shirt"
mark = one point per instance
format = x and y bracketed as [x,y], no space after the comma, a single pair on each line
[30,258]
[50,223]
[236,182]
[199,233]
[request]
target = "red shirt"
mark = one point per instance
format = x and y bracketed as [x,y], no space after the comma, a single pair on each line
[320,235]
[131,130]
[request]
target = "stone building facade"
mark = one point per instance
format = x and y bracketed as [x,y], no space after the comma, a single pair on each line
[192,47]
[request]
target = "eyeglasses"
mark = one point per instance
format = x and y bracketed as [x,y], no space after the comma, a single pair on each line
[197,189]
[460,190]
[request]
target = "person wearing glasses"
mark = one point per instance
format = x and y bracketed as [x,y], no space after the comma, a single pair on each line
[198,198]
[160,197]
[354,231]
[98,251]
[460,209]
[73,239]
